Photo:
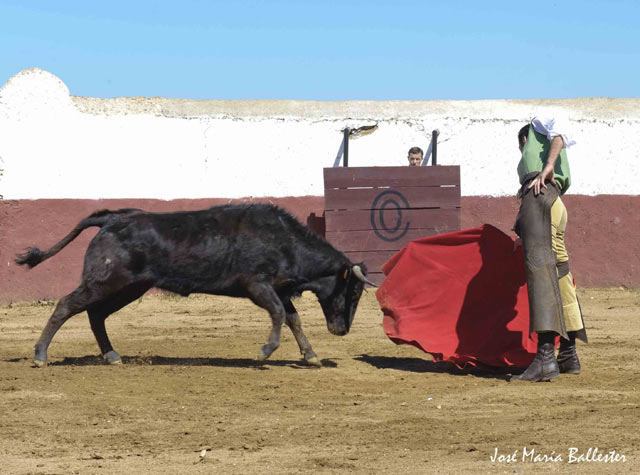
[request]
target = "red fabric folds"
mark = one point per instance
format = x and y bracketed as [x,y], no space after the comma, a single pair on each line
[462,297]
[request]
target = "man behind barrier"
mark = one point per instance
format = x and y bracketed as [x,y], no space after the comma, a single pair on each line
[415,156]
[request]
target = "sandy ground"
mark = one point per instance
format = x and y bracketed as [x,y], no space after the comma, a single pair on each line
[189,387]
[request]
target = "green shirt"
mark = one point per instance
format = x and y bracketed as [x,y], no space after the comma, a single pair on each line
[534,159]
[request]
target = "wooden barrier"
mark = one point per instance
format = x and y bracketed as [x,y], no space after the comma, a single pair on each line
[373,212]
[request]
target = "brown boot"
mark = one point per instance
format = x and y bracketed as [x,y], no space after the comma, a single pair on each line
[568,361]
[544,366]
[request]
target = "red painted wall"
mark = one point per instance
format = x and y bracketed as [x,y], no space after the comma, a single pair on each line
[602,236]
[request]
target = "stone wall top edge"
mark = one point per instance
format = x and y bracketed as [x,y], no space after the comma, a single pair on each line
[25,84]
[506,109]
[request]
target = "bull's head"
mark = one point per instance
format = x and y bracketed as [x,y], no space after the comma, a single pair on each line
[340,295]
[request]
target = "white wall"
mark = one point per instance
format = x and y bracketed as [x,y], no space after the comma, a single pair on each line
[53,145]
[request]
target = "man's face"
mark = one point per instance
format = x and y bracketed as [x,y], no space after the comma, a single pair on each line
[415,159]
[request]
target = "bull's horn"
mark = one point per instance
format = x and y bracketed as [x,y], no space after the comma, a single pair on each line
[358,273]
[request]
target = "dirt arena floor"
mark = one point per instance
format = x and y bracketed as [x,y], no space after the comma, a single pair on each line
[189,398]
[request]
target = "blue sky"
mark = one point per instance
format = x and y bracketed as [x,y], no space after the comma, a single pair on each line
[328,50]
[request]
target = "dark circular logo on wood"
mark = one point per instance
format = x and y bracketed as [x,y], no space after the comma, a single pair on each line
[387,201]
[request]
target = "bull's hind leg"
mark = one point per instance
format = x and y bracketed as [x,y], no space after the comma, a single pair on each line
[96,319]
[99,312]
[294,323]
[263,295]
[68,306]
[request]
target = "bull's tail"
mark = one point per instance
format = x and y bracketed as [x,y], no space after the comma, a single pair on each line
[35,256]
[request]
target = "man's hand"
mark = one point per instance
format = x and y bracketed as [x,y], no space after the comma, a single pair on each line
[539,182]
[547,173]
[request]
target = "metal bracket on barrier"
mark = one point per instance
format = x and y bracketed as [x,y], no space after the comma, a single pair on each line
[432,150]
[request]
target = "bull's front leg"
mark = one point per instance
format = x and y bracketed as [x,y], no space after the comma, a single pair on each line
[294,323]
[263,295]
[277,319]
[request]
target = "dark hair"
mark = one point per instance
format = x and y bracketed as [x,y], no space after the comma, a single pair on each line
[415,150]
[524,132]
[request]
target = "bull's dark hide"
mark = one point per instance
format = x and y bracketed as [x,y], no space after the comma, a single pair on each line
[256,251]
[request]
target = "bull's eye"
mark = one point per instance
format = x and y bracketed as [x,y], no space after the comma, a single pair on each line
[346,274]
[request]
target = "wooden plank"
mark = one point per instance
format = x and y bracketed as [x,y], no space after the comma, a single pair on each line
[346,177]
[372,240]
[373,212]
[391,218]
[401,197]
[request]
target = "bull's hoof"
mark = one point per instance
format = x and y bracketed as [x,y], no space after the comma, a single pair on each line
[39,363]
[112,358]
[262,356]
[266,351]
[314,361]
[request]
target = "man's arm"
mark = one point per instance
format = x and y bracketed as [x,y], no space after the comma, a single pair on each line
[557,144]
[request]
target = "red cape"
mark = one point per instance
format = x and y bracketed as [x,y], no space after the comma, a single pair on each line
[462,297]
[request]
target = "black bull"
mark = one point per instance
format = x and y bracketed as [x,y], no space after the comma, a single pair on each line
[260,252]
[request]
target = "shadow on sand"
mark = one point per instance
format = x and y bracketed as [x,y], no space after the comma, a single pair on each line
[92,360]
[418,365]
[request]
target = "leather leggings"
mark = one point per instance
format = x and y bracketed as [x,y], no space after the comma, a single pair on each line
[533,226]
